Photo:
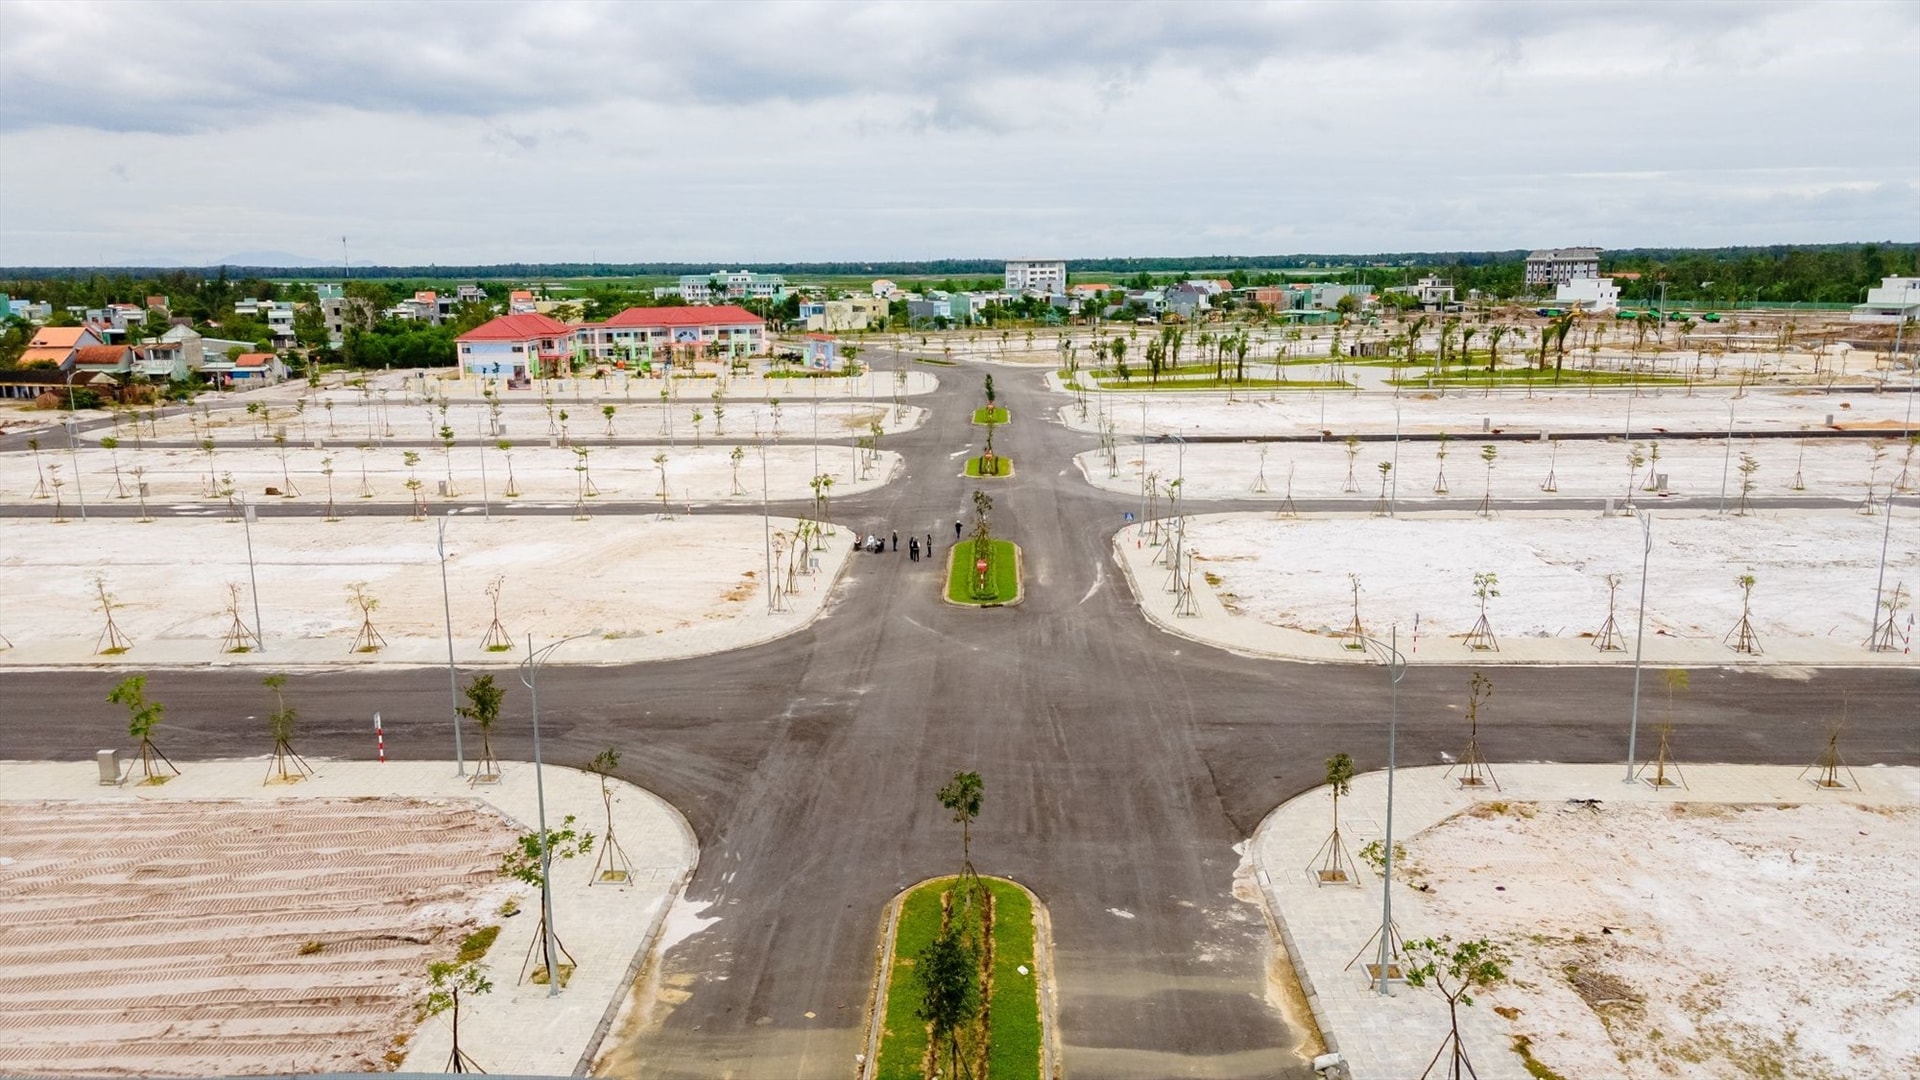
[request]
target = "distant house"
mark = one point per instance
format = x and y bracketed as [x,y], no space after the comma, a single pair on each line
[1557,266]
[520,302]
[25,384]
[853,313]
[165,360]
[1589,294]
[248,367]
[1896,300]
[1036,276]
[884,288]
[114,360]
[55,345]
[668,333]
[516,347]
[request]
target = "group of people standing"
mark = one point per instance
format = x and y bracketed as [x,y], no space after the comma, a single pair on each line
[876,545]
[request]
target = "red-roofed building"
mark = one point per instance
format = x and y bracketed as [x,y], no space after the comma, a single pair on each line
[103,359]
[684,333]
[514,347]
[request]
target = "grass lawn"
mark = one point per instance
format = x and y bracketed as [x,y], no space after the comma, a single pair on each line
[1523,376]
[1002,466]
[1003,574]
[995,415]
[1011,1020]
[931,360]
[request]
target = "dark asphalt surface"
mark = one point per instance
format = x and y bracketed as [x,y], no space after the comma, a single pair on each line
[1122,766]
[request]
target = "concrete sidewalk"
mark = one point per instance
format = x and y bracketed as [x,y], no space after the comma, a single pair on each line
[1210,623]
[1323,927]
[610,929]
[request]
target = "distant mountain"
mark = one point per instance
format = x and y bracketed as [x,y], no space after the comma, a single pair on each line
[269,258]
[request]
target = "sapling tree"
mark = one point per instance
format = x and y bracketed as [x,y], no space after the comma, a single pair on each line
[1748,466]
[1440,458]
[1653,467]
[1380,508]
[608,411]
[1488,453]
[447,982]
[446,453]
[496,639]
[1742,637]
[59,504]
[112,446]
[213,482]
[1635,459]
[1355,633]
[1552,483]
[483,708]
[240,637]
[1676,680]
[1351,485]
[111,642]
[611,865]
[719,412]
[1486,586]
[506,451]
[961,796]
[527,862]
[366,486]
[1454,970]
[143,717]
[367,639]
[947,972]
[587,488]
[1474,770]
[413,485]
[40,474]
[1878,451]
[698,417]
[326,470]
[1331,863]
[822,486]
[660,463]
[734,459]
[286,473]
[280,723]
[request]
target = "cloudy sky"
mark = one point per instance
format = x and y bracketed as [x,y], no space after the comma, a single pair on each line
[185,132]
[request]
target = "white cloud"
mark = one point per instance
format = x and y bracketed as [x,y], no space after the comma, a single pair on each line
[493,132]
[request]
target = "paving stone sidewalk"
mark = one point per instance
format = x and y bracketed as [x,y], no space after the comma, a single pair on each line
[517,1029]
[1324,927]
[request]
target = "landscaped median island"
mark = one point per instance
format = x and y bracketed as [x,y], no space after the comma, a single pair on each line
[1000,1036]
[996,465]
[990,415]
[997,585]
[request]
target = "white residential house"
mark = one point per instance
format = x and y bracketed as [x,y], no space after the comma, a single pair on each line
[1896,300]
[1556,266]
[885,289]
[1589,294]
[1037,277]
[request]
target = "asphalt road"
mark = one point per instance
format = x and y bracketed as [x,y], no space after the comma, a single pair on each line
[1122,766]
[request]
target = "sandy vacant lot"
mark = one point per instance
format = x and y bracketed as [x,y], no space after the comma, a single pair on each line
[630,577]
[177,939]
[1815,571]
[1691,941]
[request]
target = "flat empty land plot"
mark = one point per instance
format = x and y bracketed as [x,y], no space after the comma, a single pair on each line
[664,586]
[1690,940]
[219,938]
[1814,570]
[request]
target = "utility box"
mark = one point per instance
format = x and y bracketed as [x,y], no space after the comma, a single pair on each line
[442,486]
[109,761]
[1660,483]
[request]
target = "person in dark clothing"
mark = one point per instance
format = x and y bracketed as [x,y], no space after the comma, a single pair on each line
[956,529]
[929,545]
[896,539]
[913,548]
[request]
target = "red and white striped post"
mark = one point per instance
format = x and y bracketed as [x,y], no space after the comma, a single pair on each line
[380,738]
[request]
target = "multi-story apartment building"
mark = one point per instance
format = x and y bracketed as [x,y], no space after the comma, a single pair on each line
[1557,266]
[1046,278]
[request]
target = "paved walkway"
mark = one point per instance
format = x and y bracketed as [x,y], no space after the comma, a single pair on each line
[1209,622]
[517,1029]
[1393,1037]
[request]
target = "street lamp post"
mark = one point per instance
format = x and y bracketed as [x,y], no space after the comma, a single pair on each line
[253,581]
[1396,663]
[1393,477]
[1639,637]
[72,452]
[453,679]
[529,676]
[1726,460]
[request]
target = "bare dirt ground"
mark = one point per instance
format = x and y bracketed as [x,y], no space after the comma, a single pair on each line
[1691,940]
[178,939]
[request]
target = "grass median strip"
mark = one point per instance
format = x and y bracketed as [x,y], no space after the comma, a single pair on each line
[1003,574]
[1003,1038]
